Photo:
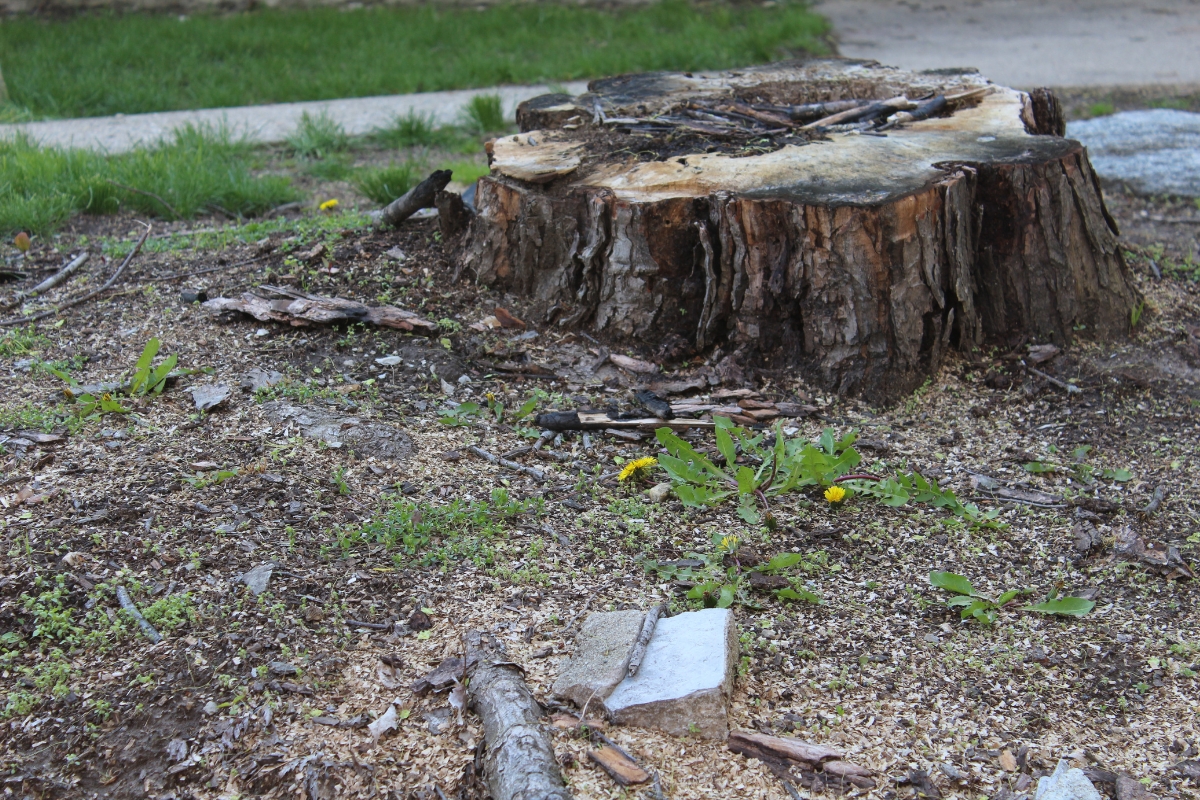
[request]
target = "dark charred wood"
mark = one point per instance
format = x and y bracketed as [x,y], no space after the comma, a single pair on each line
[453,214]
[420,196]
[1044,115]
[655,405]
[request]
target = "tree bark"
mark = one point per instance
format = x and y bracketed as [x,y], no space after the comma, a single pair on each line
[519,763]
[856,261]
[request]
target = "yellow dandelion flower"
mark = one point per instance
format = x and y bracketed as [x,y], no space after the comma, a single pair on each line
[729,543]
[329,205]
[635,468]
[835,494]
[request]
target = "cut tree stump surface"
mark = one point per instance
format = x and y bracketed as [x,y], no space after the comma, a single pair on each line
[677,212]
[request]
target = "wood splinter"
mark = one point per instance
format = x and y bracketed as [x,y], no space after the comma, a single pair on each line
[423,195]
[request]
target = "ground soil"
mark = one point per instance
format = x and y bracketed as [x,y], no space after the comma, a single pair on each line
[269,696]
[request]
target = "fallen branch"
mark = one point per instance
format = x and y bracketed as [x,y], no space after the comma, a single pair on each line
[519,763]
[300,309]
[72,303]
[58,277]
[778,752]
[132,610]
[423,195]
[1066,387]
[536,474]
[643,640]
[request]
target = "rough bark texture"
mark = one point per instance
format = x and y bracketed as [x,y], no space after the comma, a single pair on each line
[520,762]
[855,262]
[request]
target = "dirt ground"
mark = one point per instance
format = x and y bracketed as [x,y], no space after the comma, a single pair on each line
[392,541]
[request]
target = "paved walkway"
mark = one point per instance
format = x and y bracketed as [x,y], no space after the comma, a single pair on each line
[1027,43]
[269,123]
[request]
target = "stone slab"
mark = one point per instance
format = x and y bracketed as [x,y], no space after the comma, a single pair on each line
[684,682]
[1153,152]
[601,657]
[1066,784]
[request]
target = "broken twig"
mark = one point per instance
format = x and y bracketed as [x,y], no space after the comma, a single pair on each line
[132,610]
[643,640]
[1160,494]
[72,303]
[1066,387]
[536,474]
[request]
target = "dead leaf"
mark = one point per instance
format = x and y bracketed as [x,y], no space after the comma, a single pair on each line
[204,466]
[209,396]
[419,621]
[1042,352]
[386,722]
[506,319]
[1008,762]
[441,677]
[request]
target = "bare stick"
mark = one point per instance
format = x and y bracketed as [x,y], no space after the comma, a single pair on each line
[536,474]
[60,276]
[132,610]
[145,193]
[643,639]
[72,303]
[1066,387]
[420,196]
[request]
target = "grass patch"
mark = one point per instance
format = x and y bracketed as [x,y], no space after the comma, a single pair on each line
[318,137]
[95,64]
[196,170]
[385,184]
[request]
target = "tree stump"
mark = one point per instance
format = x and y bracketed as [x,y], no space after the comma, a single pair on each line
[774,213]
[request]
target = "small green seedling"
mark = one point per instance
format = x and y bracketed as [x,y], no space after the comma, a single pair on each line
[985,610]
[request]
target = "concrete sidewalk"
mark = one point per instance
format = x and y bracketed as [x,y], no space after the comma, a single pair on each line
[266,124]
[1028,43]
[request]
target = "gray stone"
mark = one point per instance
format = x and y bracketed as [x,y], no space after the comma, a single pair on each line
[1149,152]
[209,396]
[1066,784]
[366,437]
[684,682]
[259,378]
[601,657]
[258,578]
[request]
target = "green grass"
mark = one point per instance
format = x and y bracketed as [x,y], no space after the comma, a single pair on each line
[194,171]
[95,64]
[385,184]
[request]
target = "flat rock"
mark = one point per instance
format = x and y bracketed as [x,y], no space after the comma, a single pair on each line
[259,378]
[685,679]
[1066,784]
[209,396]
[336,430]
[1148,152]
[258,578]
[601,656]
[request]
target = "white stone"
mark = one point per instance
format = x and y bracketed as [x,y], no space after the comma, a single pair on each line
[1066,784]
[685,679]
[601,657]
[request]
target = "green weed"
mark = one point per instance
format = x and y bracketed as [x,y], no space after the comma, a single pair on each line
[18,342]
[720,580]
[318,136]
[1081,472]
[484,114]
[973,605]
[385,184]
[146,380]
[1102,109]
[195,170]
